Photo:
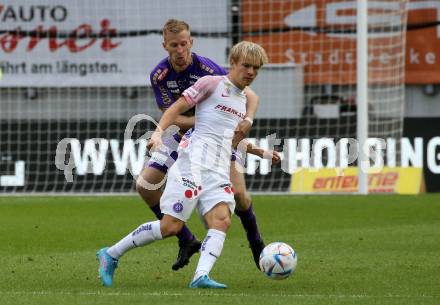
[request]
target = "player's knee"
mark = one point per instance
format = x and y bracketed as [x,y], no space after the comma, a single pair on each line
[139,188]
[222,222]
[170,226]
[151,197]
[171,230]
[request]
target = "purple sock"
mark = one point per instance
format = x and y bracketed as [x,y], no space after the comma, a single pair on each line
[249,222]
[156,210]
[184,234]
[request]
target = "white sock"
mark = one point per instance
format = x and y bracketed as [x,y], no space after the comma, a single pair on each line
[211,249]
[143,235]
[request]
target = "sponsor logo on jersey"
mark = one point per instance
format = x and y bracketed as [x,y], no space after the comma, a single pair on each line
[172,84]
[189,183]
[207,69]
[227,187]
[193,76]
[188,194]
[164,94]
[156,75]
[163,74]
[231,110]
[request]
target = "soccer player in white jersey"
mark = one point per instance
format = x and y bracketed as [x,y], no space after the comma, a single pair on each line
[200,178]
[169,79]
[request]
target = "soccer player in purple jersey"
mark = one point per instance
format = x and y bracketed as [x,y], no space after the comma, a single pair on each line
[180,70]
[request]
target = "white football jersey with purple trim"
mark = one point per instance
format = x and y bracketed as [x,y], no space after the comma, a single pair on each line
[220,106]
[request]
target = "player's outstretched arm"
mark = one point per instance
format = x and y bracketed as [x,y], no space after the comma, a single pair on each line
[168,118]
[260,152]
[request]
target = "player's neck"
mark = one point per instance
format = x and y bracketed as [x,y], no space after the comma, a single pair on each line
[235,83]
[179,69]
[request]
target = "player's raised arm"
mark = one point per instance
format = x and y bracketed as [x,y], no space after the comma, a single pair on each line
[190,97]
[245,126]
[252,103]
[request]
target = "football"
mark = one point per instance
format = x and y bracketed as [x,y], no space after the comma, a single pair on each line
[278,260]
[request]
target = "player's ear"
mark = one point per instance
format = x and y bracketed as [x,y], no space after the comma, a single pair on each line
[232,62]
[164,45]
[191,42]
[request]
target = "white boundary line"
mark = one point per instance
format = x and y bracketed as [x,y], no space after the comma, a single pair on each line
[135,194]
[206,293]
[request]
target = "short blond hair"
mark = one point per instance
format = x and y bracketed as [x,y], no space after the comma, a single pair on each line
[174,26]
[250,52]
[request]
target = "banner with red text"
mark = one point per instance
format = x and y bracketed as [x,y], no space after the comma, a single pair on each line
[96,43]
[399,180]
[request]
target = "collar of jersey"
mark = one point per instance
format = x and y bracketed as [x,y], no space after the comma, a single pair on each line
[234,87]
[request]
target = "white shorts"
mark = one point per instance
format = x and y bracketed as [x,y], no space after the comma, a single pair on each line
[164,158]
[186,191]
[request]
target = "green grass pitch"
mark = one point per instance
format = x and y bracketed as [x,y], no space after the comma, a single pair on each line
[351,250]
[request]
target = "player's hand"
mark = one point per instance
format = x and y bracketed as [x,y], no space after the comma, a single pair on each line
[155,141]
[272,154]
[241,132]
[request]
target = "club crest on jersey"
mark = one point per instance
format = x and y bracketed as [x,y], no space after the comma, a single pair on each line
[228,88]
[227,92]
[178,207]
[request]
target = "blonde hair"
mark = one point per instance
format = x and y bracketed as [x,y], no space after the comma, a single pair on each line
[250,52]
[174,26]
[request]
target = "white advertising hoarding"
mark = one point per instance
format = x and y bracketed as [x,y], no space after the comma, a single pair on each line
[41,43]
